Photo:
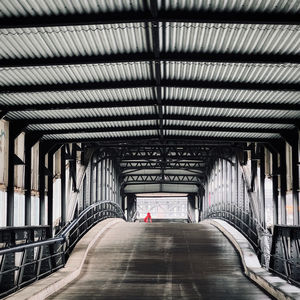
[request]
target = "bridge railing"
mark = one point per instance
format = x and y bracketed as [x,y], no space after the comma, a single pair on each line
[278,252]
[244,222]
[23,264]
[285,253]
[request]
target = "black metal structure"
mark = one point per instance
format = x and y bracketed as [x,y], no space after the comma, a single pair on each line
[41,255]
[155,96]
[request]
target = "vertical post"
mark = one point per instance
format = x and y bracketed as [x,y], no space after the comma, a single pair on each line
[63,185]
[42,154]
[28,145]
[275,186]
[229,182]
[295,174]
[11,176]
[91,180]
[105,180]
[97,180]
[50,191]
[262,186]
[283,184]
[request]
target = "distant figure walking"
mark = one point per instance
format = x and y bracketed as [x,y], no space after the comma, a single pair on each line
[148,218]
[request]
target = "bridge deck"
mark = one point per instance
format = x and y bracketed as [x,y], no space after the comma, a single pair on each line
[162,261]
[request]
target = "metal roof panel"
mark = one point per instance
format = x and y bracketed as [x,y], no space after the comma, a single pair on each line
[231,38]
[82,96]
[255,96]
[231,72]
[24,8]
[75,73]
[85,40]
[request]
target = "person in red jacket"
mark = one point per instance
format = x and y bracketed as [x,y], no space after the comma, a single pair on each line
[148,218]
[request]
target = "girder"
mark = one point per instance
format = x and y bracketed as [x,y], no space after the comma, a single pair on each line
[201,16]
[281,120]
[140,103]
[79,86]
[156,58]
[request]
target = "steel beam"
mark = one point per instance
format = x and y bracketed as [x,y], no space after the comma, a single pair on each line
[150,83]
[188,16]
[152,127]
[275,174]
[283,183]
[155,58]
[15,128]
[187,117]
[140,103]
[50,191]
[63,185]
[42,207]
[292,138]
[262,186]
[30,140]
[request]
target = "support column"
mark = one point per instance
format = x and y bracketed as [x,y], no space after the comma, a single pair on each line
[50,191]
[97,180]
[63,185]
[11,177]
[262,187]
[295,174]
[14,130]
[283,184]
[42,154]
[275,171]
[30,141]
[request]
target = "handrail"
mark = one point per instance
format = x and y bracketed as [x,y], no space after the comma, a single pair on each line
[41,258]
[249,226]
[283,258]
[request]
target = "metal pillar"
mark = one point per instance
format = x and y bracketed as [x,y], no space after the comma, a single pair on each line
[97,180]
[283,184]
[14,130]
[42,154]
[30,140]
[63,185]
[275,171]
[11,177]
[50,191]
[295,174]
[262,187]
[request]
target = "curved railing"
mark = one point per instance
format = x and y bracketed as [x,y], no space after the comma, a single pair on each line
[244,222]
[278,253]
[23,264]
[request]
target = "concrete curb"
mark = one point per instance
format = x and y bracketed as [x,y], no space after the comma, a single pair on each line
[45,287]
[274,285]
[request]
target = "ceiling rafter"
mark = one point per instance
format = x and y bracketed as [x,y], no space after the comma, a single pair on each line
[166,117]
[150,83]
[141,139]
[153,127]
[195,16]
[155,57]
[138,103]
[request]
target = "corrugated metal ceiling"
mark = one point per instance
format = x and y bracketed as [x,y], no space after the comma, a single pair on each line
[57,57]
[231,72]
[230,38]
[229,95]
[233,5]
[82,96]
[22,8]
[75,73]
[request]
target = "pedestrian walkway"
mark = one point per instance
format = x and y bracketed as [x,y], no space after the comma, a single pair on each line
[162,261]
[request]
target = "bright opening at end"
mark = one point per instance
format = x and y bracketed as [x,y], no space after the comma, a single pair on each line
[162,207]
